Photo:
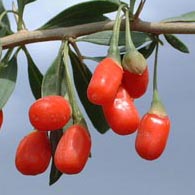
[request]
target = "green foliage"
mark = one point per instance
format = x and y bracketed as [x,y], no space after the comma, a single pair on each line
[148,49]
[55,174]
[21,5]
[4,22]
[54,80]
[103,38]
[34,75]
[187,17]
[8,76]
[82,13]
[176,43]
[54,83]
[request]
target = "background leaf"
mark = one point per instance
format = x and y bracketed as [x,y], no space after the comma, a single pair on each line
[82,13]
[8,76]
[176,43]
[82,76]
[54,84]
[5,24]
[148,49]
[34,75]
[53,81]
[96,59]
[103,38]
[187,17]
[55,174]
[21,5]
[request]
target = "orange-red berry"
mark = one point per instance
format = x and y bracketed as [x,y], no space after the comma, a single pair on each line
[50,113]
[73,150]
[105,81]
[152,136]
[33,153]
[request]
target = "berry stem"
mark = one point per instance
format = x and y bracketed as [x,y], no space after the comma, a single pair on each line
[132,5]
[113,50]
[129,43]
[76,113]
[157,106]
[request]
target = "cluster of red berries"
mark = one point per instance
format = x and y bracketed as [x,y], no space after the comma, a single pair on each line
[115,90]
[114,86]
[34,152]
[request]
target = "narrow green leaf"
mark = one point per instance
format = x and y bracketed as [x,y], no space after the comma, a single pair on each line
[54,81]
[8,76]
[148,49]
[21,5]
[0,51]
[54,84]
[34,75]
[187,17]
[103,38]
[55,174]
[176,43]
[96,59]
[5,24]
[82,76]
[82,13]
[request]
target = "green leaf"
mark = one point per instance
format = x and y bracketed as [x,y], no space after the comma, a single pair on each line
[53,81]
[8,76]
[0,50]
[34,75]
[96,59]
[148,49]
[82,13]
[21,5]
[103,38]
[55,174]
[176,43]
[187,17]
[54,84]
[82,76]
[5,24]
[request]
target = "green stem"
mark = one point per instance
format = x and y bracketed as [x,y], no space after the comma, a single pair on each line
[157,106]
[155,87]
[129,42]
[7,56]
[113,50]
[76,113]
[132,5]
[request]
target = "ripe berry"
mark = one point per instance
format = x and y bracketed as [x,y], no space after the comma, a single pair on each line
[152,136]
[73,150]
[121,114]
[135,84]
[33,153]
[105,82]
[50,113]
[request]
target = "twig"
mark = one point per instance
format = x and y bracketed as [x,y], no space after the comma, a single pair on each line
[26,37]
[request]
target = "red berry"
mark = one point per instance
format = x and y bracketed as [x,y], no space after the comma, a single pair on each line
[135,84]
[1,118]
[121,114]
[105,82]
[152,136]
[73,150]
[50,113]
[33,153]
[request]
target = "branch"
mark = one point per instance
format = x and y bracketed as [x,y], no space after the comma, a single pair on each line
[25,37]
